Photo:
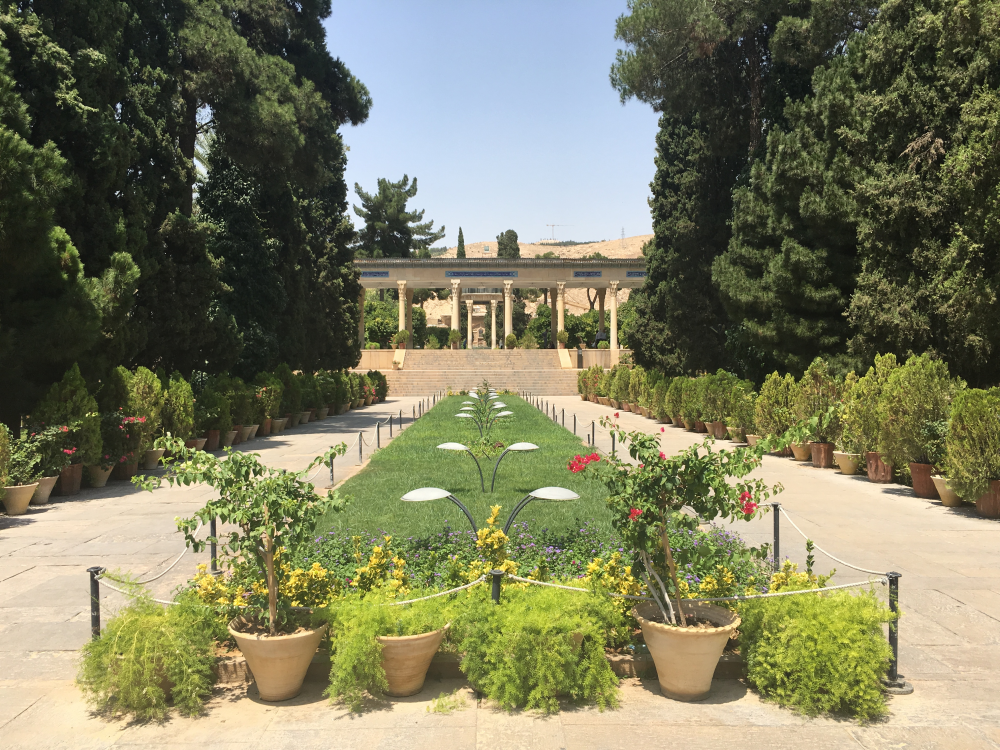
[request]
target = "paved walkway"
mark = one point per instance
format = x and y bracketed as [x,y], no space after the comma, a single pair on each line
[950,594]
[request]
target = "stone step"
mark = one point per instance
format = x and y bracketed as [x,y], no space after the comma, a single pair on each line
[425,382]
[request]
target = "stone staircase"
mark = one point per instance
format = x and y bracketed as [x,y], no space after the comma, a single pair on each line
[426,371]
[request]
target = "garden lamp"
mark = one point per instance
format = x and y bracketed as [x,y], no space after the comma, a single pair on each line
[466,415]
[557,494]
[515,447]
[497,405]
[460,447]
[434,493]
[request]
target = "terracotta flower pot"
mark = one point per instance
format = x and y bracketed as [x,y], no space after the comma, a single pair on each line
[312,415]
[323,413]
[679,422]
[752,439]
[17,499]
[212,441]
[195,443]
[265,428]
[45,486]
[801,451]
[152,459]
[700,426]
[686,658]
[69,480]
[719,430]
[358,403]
[848,462]
[878,470]
[291,420]
[822,455]
[688,424]
[126,471]
[230,438]
[603,401]
[922,484]
[304,417]
[988,506]
[245,432]
[97,476]
[238,429]
[949,498]
[405,660]
[278,664]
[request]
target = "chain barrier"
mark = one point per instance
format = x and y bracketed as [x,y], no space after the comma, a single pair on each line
[820,549]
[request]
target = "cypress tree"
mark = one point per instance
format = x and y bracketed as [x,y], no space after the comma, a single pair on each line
[460,252]
[507,246]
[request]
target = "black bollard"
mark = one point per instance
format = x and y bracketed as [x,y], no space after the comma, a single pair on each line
[894,683]
[777,535]
[497,577]
[574,424]
[612,445]
[213,552]
[95,602]
[378,435]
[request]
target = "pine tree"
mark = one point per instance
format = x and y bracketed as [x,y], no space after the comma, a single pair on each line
[507,246]
[460,252]
[390,230]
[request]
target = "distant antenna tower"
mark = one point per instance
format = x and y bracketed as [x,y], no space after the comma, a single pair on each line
[553,227]
[623,238]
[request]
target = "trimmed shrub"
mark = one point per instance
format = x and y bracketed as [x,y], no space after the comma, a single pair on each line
[636,382]
[68,402]
[291,393]
[773,412]
[212,412]
[509,343]
[674,396]
[178,408]
[659,404]
[973,443]
[619,383]
[692,393]
[861,406]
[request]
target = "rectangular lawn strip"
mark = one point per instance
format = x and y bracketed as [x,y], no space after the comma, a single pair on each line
[413,460]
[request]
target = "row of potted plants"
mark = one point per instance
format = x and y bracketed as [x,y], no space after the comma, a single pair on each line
[78,432]
[910,422]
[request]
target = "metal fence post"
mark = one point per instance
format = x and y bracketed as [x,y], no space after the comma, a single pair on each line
[593,432]
[612,445]
[331,471]
[361,445]
[777,535]
[390,427]
[378,435]
[497,577]
[574,424]
[213,552]
[95,602]
[564,418]
[894,682]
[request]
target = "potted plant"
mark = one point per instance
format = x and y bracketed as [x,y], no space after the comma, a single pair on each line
[177,415]
[861,416]
[20,467]
[291,395]
[739,420]
[213,417]
[848,456]
[797,437]
[69,403]
[562,339]
[145,400]
[646,498]
[672,401]
[509,342]
[271,513]
[774,409]
[972,449]
[400,338]
[455,339]
[816,400]
[916,395]
[935,440]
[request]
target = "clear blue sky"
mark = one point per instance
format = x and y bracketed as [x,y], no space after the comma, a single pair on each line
[504,113]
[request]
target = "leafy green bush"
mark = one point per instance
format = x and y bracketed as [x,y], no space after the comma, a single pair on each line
[4,456]
[742,407]
[69,403]
[25,464]
[674,397]
[212,412]
[603,345]
[692,393]
[619,383]
[381,384]
[291,393]
[178,408]
[815,393]
[145,401]
[659,400]
[818,653]
[356,660]
[973,444]
[636,382]
[310,393]
[861,406]
[773,411]
[604,383]
[522,653]
[917,394]
[718,395]
[146,651]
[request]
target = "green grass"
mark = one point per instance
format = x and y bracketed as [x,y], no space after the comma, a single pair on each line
[412,461]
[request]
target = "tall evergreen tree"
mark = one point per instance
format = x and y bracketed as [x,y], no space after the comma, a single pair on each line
[507,246]
[460,252]
[390,230]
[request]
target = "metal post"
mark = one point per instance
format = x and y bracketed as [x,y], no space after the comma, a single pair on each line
[564,419]
[213,551]
[497,577]
[390,427]
[894,684]
[95,602]
[574,424]
[593,432]
[612,445]
[361,445]
[777,535]
[331,471]
[413,417]
[378,435]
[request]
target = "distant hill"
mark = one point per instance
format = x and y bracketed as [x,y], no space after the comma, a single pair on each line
[630,247]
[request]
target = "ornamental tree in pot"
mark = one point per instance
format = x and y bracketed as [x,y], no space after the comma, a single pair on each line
[645,499]
[973,449]
[69,402]
[271,512]
[400,338]
[861,416]
[20,467]
[817,398]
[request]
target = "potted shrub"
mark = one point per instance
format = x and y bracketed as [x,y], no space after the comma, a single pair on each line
[972,449]
[145,400]
[817,400]
[797,437]
[619,386]
[935,440]
[691,404]
[177,416]
[673,399]
[861,416]
[658,401]
[917,394]
[455,339]
[400,338]
[562,339]
[69,403]
[325,389]
[291,394]
[684,639]
[848,456]
[604,387]
[271,513]
[20,467]
[739,420]
[213,417]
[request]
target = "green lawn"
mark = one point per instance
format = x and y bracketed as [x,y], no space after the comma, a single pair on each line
[412,461]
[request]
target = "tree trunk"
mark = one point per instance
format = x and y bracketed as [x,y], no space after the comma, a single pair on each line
[187,140]
[673,576]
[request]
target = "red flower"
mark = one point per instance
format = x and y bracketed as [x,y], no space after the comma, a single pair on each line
[634,514]
[616,415]
[65,428]
[749,506]
[661,429]
[661,455]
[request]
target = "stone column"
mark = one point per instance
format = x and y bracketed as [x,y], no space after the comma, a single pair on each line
[401,286]
[493,328]
[553,323]
[409,317]
[456,294]
[561,308]
[614,314]
[508,318]
[600,309]
[468,328]
[361,317]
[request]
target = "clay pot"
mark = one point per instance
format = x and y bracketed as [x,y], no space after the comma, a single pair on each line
[679,422]
[282,424]
[69,480]
[718,430]
[45,486]
[626,406]
[304,417]
[344,408]
[688,424]
[245,432]
[988,506]
[97,476]
[278,664]
[686,658]
[229,439]
[125,471]
[323,413]
[822,455]
[405,660]
[735,434]
[878,470]
[922,484]
[238,429]
[152,459]
[949,498]
[265,428]
[291,420]
[848,462]
[254,428]
[358,403]
[195,443]
[17,499]
[801,451]
[752,439]
[212,441]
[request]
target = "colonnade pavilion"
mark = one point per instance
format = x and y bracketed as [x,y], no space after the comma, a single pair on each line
[473,280]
